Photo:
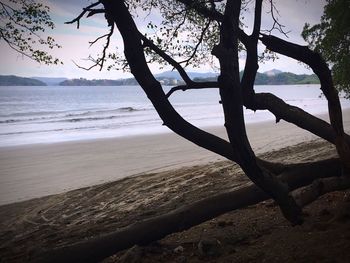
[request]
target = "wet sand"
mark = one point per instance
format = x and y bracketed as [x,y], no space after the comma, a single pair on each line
[32,171]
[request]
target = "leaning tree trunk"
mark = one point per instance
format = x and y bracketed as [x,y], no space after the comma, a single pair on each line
[232,100]
[152,229]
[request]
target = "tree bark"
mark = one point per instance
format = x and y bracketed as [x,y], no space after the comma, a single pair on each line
[232,102]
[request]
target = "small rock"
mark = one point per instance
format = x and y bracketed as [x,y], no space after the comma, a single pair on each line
[209,247]
[179,249]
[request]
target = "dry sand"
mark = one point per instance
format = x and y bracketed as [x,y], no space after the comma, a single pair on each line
[32,171]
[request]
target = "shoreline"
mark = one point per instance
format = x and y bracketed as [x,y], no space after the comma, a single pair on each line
[32,171]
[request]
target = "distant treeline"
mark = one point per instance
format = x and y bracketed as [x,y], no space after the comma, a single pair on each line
[19,81]
[283,78]
[98,82]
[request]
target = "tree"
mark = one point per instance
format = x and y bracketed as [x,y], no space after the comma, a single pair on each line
[215,28]
[20,28]
[331,38]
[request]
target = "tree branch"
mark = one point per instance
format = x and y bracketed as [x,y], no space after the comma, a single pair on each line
[99,61]
[193,85]
[190,84]
[212,14]
[320,67]
[166,57]
[85,10]
[200,40]
[276,24]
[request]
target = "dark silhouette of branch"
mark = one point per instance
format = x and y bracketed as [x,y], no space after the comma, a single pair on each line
[95,11]
[190,84]
[193,85]
[211,14]
[276,24]
[200,40]
[320,67]
[85,10]
[99,62]
[166,57]
[97,39]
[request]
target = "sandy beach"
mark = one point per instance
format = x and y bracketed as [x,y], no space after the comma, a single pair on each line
[244,235]
[121,181]
[32,171]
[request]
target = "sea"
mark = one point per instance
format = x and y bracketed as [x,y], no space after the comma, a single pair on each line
[50,114]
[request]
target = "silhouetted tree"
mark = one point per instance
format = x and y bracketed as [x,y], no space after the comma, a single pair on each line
[193,31]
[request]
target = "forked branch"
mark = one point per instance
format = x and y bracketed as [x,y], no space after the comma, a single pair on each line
[85,10]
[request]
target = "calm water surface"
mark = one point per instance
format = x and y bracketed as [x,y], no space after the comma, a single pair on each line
[54,114]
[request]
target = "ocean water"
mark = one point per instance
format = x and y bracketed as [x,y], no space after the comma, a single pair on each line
[30,115]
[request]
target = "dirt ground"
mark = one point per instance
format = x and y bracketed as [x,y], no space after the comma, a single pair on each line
[255,234]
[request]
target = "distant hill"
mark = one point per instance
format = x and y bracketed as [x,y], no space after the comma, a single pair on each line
[285,78]
[272,72]
[19,81]
[192,75]
[170,78]
[98,82]
[276,77]
[50,81]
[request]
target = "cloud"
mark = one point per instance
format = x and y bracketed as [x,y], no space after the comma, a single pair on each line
[292,13]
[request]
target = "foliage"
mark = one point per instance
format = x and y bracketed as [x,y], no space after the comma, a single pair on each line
[22,22]
[331,38]
[185,34]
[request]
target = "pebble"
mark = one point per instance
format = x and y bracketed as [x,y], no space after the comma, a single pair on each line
[179,249]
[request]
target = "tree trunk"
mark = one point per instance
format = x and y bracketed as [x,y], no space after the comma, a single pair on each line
[147,231]
[232,102]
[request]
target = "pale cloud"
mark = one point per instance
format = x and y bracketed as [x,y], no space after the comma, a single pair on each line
[75,42]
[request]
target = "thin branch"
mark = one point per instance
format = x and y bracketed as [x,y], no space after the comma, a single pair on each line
[194,85]
[212,14]
[106,46]
[180,24]
[85,10]
[95,11]
[200,40]
[10,17]
[99,61]
[276,24]
[97,39]
[190,84]
[13,46]
[166,57]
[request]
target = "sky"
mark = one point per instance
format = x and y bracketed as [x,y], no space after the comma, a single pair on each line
[293,14]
